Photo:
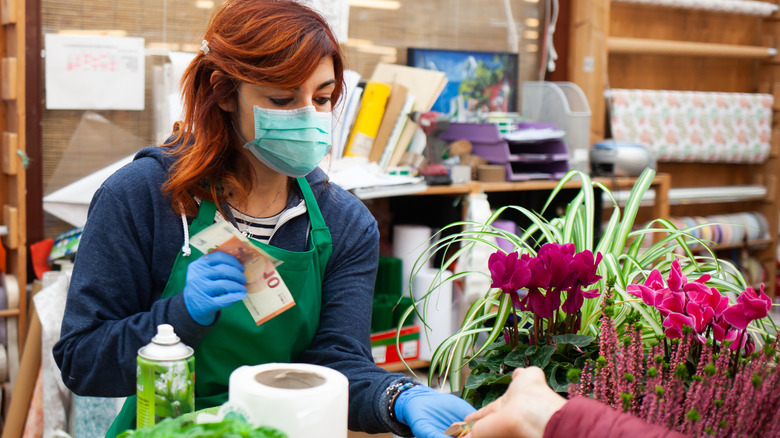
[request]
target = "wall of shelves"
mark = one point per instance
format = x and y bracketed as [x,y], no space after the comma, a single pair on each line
[644,45]
[13,180]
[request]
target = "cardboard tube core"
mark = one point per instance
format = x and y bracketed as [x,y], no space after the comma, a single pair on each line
[289,379]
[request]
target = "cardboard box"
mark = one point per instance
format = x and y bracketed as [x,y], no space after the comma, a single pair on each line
[383,345]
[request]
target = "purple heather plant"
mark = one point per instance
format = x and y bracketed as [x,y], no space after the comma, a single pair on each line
[660,386]
[705,379]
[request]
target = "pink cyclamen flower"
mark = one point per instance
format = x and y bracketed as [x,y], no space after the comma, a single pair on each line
[652,291]
[583,270]
[540,274]
[677,279]
[674,323]
[509,273]
[557,259]
[722,330]
[707,297]
[670,301]
[701,316]
[750,306]
[541,304]
[667,298]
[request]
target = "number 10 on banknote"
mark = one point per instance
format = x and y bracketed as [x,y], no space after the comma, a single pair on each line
[267,295]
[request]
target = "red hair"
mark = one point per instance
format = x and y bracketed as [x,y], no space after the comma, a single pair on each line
[275,43]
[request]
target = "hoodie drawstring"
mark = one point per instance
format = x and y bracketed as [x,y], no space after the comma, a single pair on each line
[185,249]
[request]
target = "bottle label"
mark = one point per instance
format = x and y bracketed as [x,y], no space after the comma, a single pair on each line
[164,389]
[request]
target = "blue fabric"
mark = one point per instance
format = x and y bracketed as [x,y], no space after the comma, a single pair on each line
[428,412]
[124,260]
[214,281]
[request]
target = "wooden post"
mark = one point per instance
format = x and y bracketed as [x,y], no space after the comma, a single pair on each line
[588,57]
[13,118]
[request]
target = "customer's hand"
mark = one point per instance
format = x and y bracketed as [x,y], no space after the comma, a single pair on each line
[522,412]
[429,412]
[214,281]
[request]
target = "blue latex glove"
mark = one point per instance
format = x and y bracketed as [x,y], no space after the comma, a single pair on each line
[429,412]
[214,281]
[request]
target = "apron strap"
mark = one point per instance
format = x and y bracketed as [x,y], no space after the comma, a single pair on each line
[125,419]
[320,234]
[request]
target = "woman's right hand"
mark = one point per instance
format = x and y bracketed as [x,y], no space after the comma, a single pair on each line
[214,281]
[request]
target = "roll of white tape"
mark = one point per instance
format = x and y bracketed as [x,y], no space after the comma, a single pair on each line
[437,310]
[3,365]
[12,329]
[410,243]
[13,349]
[3,306]
[301,400]
[11,286]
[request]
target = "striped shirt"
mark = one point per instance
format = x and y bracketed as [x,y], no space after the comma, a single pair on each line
[259,228]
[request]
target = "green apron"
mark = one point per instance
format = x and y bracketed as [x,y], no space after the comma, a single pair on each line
[235,340]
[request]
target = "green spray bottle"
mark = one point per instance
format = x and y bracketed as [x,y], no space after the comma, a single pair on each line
[165,385]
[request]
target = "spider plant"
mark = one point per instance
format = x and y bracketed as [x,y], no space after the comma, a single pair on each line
[629,251]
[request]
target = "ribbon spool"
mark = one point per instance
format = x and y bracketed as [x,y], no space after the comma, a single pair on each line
[725,229]
[11,286]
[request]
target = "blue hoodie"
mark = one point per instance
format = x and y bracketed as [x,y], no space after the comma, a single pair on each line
[125,256]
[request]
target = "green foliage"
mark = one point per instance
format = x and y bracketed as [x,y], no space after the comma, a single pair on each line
[630,252]
[185,427]
[561,362]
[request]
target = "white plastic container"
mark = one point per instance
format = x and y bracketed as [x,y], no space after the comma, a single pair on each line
[564,104]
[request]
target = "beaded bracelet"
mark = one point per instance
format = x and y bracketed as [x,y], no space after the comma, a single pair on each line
[393,392]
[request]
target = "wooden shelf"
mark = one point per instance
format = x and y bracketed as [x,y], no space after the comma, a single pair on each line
[726,246]
[765,11]
[621,45]
[660,189]
[7,313]
[542,184]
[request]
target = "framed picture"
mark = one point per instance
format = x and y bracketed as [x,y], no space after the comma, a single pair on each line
[476,81]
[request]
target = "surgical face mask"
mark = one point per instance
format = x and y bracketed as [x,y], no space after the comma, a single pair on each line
[291,142]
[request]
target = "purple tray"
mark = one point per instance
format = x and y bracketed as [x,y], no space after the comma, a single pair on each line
[483,132]
[542,151]
[473,132]
[520,171]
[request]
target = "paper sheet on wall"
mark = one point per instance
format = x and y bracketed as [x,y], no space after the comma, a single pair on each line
[336,12]
[166,93]
[94,72]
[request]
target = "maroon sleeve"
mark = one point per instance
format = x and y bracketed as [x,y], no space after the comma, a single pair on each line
[582,417]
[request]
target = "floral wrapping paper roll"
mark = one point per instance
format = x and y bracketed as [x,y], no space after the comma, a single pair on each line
[690,126]
[744,7]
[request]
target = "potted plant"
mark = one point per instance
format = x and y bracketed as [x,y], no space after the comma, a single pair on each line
[553,294]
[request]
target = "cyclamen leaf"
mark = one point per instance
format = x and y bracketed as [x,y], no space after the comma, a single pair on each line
[494,359]
[573,339]
[474,381]
[542,357]
[505,379]
[552,380]
[516,358]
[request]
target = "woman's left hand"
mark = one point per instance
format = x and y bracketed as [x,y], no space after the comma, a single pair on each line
[429,412]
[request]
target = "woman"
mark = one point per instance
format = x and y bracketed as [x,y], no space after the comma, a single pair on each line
[256,124]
